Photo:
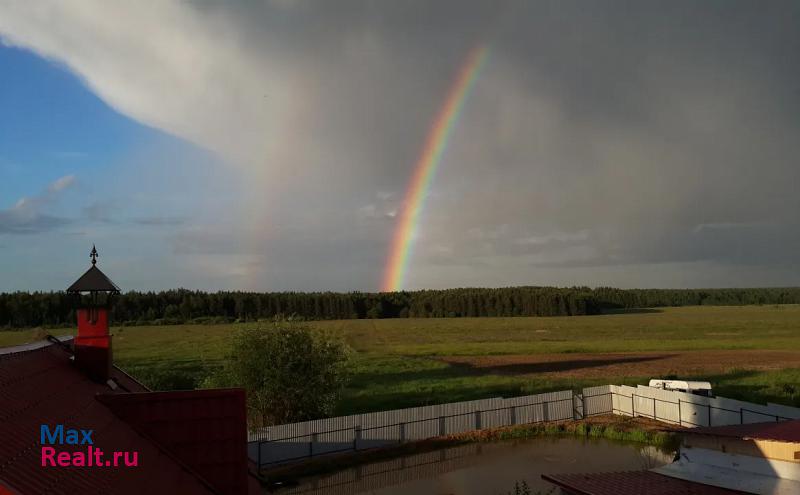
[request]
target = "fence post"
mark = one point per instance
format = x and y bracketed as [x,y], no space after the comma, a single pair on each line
[741,416]
[680,420]
[311,445]
[709,414]
[545,412]
[402,432]
[356,436]
[441,426]
[513,412]
[633,406]
[583,406]
[654,409]
[478,419]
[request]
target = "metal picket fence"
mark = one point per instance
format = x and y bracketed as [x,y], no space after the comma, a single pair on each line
[288,443]
[681,408]
[298,441]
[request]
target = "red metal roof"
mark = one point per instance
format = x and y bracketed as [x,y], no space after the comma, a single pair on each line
[204,429]
[631,483]
[783,431]
[6,490]
[42,386]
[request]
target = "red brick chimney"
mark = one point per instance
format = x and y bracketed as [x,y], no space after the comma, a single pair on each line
[93,342]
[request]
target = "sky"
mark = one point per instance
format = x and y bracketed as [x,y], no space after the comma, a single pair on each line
[269,145]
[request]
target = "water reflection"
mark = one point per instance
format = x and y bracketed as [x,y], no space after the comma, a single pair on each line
[488,468]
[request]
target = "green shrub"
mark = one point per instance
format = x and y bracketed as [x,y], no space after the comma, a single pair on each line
[291,372]
[164,378]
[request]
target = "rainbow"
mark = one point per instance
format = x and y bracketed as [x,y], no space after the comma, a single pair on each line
[425,170]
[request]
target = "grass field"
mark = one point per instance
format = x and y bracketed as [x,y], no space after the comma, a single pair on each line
[408,362]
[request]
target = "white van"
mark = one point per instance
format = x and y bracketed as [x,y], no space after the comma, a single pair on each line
[697,388]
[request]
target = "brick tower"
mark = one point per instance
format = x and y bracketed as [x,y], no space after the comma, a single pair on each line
[93,292]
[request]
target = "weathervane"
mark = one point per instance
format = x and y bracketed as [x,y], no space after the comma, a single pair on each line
[94,255]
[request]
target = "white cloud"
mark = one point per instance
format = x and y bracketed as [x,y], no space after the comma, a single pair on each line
[61,183]
[28,215]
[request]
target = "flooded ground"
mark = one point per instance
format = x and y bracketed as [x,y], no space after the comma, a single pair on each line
[484,469]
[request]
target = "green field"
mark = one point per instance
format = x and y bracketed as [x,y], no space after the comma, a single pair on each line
[397,360]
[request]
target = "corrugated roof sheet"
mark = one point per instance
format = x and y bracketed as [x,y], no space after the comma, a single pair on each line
[783,431]
[204,429]
[631,483]
[42,386]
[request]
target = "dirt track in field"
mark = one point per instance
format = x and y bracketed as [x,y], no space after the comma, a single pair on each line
[585,365]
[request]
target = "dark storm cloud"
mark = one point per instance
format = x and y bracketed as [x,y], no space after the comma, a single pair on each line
[160,221]
[652,123]
[599,136]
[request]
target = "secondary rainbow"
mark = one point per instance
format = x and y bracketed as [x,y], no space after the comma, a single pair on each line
[425,170]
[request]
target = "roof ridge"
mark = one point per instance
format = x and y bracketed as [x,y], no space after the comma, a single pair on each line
[16,350]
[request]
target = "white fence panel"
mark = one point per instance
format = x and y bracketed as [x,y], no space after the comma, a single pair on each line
[623,400]
[784,412]
[531,413]
[360,431]
[598,400]
[420,430]
[495,416]
[695,410]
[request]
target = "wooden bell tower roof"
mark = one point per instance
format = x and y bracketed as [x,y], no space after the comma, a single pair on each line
[93,280]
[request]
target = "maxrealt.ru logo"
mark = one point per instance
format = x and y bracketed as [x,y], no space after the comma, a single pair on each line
[54,440]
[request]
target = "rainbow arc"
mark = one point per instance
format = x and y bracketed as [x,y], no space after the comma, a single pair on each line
[425,170]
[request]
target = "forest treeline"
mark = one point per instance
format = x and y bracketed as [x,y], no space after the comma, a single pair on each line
[53,309]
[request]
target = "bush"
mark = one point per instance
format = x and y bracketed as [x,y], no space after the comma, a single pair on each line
[159,378]
[291,372]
